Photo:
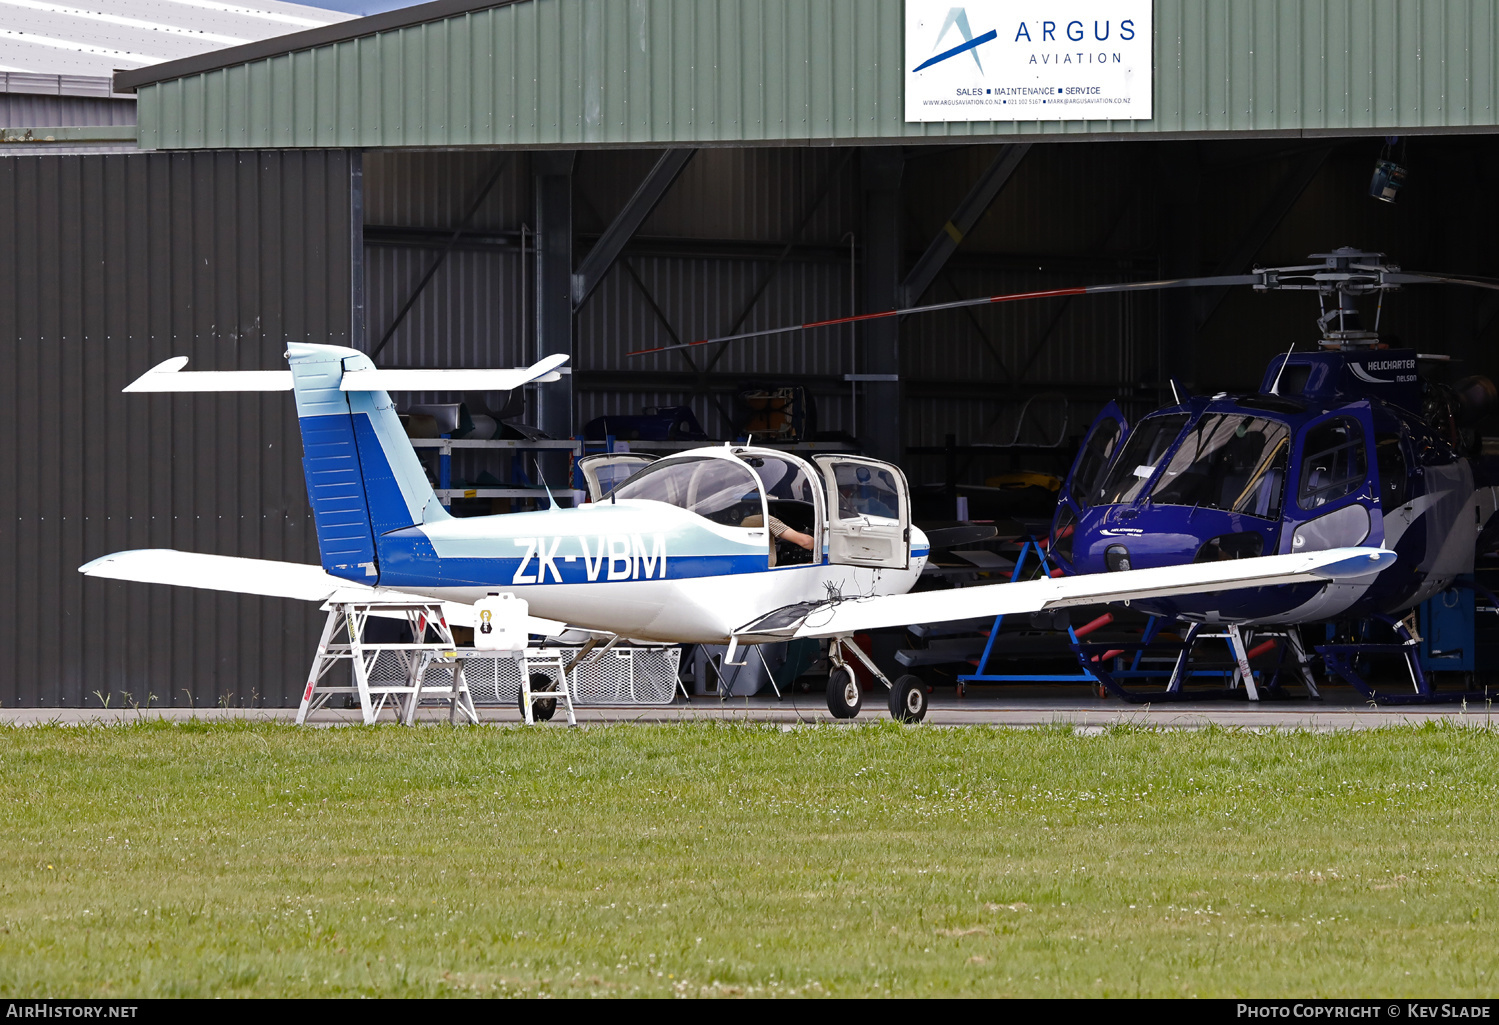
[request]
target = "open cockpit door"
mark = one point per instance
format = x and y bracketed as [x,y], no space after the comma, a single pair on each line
[1080,489]
[869,512]
[1332,488]
[603,470]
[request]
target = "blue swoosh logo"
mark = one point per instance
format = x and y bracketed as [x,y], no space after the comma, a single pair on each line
[960,48]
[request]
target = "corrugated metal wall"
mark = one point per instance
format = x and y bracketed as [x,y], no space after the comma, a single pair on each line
[663,72]
[22,110]
[108,265]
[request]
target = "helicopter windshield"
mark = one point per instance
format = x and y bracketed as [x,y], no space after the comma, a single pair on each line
[1137,460]
[723,490]
[1228,461]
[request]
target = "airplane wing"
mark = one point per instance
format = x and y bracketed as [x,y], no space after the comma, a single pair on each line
[843,616]
[269,578]
[167,376]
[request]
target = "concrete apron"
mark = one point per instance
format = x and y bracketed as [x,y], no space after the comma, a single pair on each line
[1339,712]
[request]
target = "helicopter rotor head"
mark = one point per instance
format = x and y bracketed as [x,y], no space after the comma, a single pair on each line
[1344,275]
[1344,272]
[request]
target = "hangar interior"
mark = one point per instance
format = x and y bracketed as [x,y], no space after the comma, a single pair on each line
[464,254]
[750,238]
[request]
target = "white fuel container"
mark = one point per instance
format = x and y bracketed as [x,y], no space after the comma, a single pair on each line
[500,623]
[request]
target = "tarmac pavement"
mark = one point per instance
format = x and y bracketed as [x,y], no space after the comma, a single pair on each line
[1031,707]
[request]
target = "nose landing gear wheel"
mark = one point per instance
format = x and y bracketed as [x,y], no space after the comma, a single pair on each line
[908,699]
[541,711]
[844,697]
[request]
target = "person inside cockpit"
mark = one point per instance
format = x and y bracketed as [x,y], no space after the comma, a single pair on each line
[791,496]
[781,532]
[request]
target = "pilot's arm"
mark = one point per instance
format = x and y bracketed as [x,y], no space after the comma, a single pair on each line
[780,531]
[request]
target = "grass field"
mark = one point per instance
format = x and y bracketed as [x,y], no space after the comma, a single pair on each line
[258,859]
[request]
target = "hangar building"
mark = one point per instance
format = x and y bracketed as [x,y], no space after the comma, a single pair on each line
[475,183]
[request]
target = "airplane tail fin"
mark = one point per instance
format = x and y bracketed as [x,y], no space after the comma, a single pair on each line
[363,477]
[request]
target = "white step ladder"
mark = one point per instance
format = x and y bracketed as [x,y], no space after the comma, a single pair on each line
[343,642]
[546,658]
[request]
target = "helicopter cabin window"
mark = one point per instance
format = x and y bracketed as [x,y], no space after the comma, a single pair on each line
[722,490]
[1138,459]
[1390,459]
[791,496]
[1094,460]
[1293,379]
[1333,462]
[1228,461]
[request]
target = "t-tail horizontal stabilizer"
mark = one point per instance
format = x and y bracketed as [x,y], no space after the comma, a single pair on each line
[168,376]
[844,616]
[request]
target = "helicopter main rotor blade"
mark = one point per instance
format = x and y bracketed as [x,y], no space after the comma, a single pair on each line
[1419,278]
[1127,286]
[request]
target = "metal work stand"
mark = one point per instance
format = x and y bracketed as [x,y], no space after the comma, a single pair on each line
[1102,662]
[1343,660]
[546,658]
[1096,659]
[343,642]
[981,674]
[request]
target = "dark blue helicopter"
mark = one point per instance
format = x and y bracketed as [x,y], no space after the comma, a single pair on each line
[1343,446]
[1339,447]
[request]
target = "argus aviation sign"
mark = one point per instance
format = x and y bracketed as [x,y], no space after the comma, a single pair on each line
[1029,60]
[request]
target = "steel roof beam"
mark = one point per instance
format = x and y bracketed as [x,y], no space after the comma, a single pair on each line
[628,221]
[881,170]
[553,190]
[961,222]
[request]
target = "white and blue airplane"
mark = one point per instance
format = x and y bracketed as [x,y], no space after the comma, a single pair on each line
[738,545]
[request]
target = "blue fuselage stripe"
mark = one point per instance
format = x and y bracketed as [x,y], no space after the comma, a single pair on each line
[408,562]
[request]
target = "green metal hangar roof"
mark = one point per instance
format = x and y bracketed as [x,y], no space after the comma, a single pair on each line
[581,73]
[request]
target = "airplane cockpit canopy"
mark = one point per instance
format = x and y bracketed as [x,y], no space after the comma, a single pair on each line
[722,490]
[784,479]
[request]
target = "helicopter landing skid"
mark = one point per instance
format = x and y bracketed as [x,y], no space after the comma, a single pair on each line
[1342,659]
[1107,664]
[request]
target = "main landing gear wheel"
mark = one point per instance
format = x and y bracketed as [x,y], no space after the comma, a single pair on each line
[844,697]
[541,711]
[908,699]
